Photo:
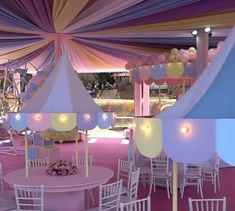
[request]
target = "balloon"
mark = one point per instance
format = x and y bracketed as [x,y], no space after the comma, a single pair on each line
[192,50]
[32,86]
[174,51]
[166,55]
[220,44]
[192,57]
[39,73]
[211,51]
[162,58]
[139,63]
[182,51]
[185,57]
[172,58]
[178,57]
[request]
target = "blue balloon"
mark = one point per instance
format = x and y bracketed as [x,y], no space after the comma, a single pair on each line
[33,86]
[40,72]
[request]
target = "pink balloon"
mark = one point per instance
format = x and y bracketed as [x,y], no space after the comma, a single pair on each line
[139,63]
[185,57]
[172,58]
[211,50]
[220,44]
[145,59]
[192,57]
[182,51]
[167,55]
[162,58]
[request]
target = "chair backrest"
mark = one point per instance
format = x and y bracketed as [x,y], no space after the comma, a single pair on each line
[82,160]
[160,165]
[109,196]
[215,162]
[207,204]
[124,171]
[137,205]
[192,169]
[1,178]
[134,182]
[29,197]
[39,162]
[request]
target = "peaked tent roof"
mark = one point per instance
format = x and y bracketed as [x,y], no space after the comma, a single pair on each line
[212,95]
[63,91]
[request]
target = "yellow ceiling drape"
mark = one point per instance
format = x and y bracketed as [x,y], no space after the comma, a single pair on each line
[221,19]
[64,11]
[14,55]
[92,59]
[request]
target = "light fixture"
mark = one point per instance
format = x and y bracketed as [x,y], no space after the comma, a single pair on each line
[184,130]
[194,33]
[17,117]
[87,117]
[63,118]
[37,117]
[105,116]
[207,29]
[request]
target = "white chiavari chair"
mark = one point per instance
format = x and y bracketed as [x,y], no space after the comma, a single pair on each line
[39,162]
[160,173]
[109,197]
[207,204]
[191,177]
[124,170]
[137,205]
[29,197]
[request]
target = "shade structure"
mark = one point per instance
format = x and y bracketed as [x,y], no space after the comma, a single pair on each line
[206,106]
[61,104]
[63,92]
[212,94]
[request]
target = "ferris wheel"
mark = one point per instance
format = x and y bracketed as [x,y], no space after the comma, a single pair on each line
[13,80]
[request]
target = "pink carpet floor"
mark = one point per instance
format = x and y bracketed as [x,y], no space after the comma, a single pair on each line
[106,152]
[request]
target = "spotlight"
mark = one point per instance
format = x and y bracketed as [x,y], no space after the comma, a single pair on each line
[184,130]
[207,29]
[194,32]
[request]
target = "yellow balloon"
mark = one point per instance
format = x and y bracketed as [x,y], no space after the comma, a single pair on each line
[174,70]
[192,50]
[174,51]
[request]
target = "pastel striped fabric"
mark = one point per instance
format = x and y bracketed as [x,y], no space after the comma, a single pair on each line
[101,35]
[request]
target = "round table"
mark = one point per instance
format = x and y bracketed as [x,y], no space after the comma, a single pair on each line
[62,192]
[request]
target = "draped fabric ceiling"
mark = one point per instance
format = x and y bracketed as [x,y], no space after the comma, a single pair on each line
[101,35]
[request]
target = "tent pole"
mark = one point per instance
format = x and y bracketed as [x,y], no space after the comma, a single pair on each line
[77,150]
[175,187]
[86,156]
[183,88]
[26,155]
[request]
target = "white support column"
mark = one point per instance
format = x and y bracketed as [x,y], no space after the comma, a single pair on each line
[138,99]
[145,103]
[202,43]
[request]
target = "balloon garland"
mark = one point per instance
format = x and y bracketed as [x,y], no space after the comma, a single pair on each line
[35,83]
